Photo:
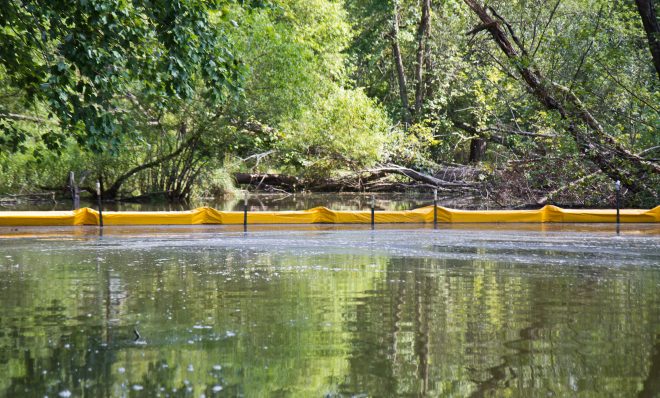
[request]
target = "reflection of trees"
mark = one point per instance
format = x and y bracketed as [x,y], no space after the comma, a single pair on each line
[652,381]
[70,363]
[482,329]
[325,323]
[57,339]
[275,326]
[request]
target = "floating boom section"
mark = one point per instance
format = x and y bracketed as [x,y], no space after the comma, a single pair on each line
[322,215]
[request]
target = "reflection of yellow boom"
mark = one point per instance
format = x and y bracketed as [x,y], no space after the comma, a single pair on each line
[321,215]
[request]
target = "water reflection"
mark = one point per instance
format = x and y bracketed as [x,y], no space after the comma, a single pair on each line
[275,202]
[251,319]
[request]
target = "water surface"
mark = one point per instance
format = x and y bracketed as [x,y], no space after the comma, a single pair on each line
[491,310]
[270,202]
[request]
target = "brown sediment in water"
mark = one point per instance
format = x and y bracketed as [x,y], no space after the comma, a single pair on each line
[142,231]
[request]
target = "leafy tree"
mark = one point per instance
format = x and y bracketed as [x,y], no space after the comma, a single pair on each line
[81,59]
[157,95]
[476,107]
[346,130]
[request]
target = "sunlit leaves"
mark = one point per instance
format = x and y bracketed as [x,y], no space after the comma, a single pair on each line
[344,131]
[82,58]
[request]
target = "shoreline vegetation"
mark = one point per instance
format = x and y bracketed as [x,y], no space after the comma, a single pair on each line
[516,106]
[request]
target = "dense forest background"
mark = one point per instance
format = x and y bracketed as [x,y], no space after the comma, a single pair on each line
[522,102]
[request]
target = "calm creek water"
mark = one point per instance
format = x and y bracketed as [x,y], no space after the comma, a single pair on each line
[267,201]
[329,311]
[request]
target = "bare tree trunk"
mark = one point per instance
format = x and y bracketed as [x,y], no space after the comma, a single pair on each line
[652,27]
[113,191]
[280,180]
[359,181]
[598,146]
[422,44]
[477,149]
[428,66]
[398,61]
[551,194]
[417,176]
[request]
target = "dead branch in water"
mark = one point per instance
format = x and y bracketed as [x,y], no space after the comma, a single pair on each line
[376,179]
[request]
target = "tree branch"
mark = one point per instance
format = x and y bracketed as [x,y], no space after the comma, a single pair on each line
[594,142]
[114,189]
[26,118]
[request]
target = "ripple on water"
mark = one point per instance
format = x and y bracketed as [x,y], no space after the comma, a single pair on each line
[451,312]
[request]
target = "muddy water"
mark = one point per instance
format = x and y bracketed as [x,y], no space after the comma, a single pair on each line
[330,311]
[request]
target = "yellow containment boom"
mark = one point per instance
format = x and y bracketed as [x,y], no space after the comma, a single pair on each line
[322,215]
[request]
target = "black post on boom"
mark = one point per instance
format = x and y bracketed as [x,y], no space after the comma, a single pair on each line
[435,208]
[100,202]
[373,211]
[245,209]
[617,186]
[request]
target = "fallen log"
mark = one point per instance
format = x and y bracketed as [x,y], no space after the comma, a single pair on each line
[274,180]
[421,177]
[367,180]
[544,200]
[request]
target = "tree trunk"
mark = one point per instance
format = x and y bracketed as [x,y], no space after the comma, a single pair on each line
[485,137]
[418,176]
[113,191]
[362,180]
[279,180]
[598,146]
[422,44]
[477,149]
[398,61]
[652,27]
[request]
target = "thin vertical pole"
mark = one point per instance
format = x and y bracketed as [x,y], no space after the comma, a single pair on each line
[245,210]
[100,202]
[618,203]
[435,208]
[373,211]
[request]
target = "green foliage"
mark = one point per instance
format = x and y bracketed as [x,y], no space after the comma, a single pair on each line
[82,58]
[593,47]
[346,130]
[294,55]
[307,87]
[296,84]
